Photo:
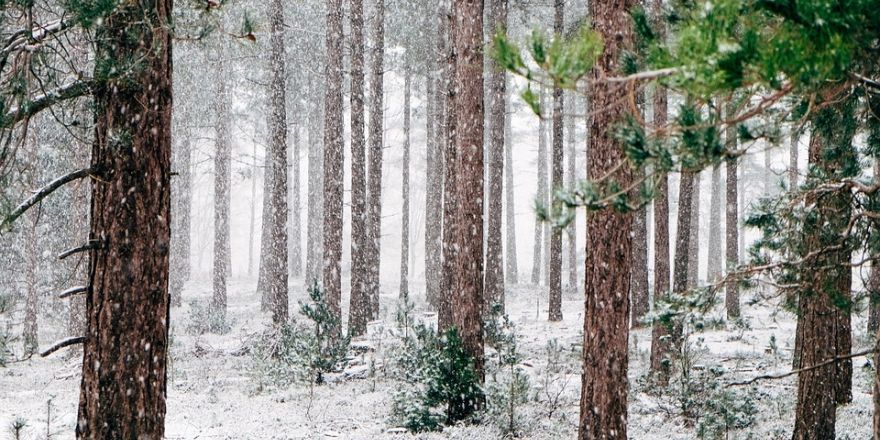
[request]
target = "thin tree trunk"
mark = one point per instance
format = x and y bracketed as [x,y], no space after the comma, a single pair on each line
[793,161]
[358,312]
[693,250]
[511,271]
[433,194]
[253,223]
[333,159]
[467,279]
[731,227]
[874,279]
[554,272]
[571,231]
[540,244]
[30,247]
[376,145]
[182,205]
[123,388]
[445,312]
[295,238]
[713,272]
[603,404]
[314,234]
[222,186]
[404,227]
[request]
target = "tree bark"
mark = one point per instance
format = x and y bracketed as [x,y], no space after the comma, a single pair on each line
[693,250]
[497,102]
[182,204]
[123,388]
[571,231]
[467,279]
[333,159]
[731,227]
[404,218]
[554,272]
[376,145]
[314,234]
[603,404]
[540,245]
[450,190]
[874,280]
[295,220]
[222,185]
[434,193]
[358,312]
[30,246]
[511,271]
[713,272]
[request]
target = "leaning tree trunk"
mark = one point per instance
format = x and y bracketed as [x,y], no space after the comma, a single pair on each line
[603,404]
[554,272]
[467,276]
[276,256]
[222,186]
[404,217]
[376,145]
[358,312]
[123,389]
[497,94]
[333,159]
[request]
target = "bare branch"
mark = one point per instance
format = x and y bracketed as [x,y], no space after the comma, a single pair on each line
[78,290]
[63,343]
[801,370]
[92,244]
[42,194]
[30,107]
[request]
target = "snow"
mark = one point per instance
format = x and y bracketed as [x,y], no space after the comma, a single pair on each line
[212,394]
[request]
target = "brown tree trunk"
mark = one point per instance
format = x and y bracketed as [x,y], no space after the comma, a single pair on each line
[713,271]
[276,258]
[874,280]
[467,276]
[497,101]
[333,159]
[222,184]
[731,228]
[358,312]
[554,272]
[603,404]
[450,190]
[376,144]
[693,250]
[404,218]
[641,303]
[122,395]
[660,343]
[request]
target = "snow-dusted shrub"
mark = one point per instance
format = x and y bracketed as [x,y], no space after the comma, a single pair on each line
[205,319]
[724,410]
[507,386]
[6,338]
[443,386]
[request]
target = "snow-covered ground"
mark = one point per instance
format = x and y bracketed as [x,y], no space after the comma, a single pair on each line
[213,393]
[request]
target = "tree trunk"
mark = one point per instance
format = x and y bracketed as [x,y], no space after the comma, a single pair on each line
[540,245]
[554,272]
[314,234]
[358,312]
[731,227]
[295,220]
[180,248]
[511,271]
[444,315]
[793,161]
[693,250]
[497,101]
[571,231]
[467,277]
[30,247]
[222,185]
[253,223]
[123,389]
[404,227]
[603,404]
[333,159]
[433,194]
[713,272]
[376,141]
[276,258]
[874,279]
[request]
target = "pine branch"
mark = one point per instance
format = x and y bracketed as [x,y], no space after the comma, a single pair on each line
[30,107]
[63,343]
[801,370]
[78,290]
[92,244]
[42,194]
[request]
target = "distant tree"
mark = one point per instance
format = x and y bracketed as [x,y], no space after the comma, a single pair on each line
[376,146]
[359,313]
[222,187]
[554,271]
[333,159]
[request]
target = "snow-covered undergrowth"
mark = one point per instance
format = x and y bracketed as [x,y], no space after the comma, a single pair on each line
[218,389]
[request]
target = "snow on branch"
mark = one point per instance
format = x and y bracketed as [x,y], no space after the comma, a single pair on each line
[78,290]
[92,244]
[63,343]
[801,370]
[33,106]
[42,194]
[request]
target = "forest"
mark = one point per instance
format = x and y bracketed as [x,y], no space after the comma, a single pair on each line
[462,219]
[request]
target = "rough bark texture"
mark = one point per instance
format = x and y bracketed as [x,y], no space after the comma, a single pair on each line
[433,192]
[554,272]
[641,302]
[693,249]
[660,343]
[444,315]
[276,255]
[358,312]
[376,144]
[571,178]
[467,278]
[222,186]
[333,158]
[874,281]
[713,270]
[731,229]
[603,404]
[295,220]
[511,271]
[497,101]
[404,216]
[122,393]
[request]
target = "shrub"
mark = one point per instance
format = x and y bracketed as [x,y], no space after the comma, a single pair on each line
[206,319]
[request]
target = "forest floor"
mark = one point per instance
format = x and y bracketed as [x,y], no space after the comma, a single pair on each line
[215,391]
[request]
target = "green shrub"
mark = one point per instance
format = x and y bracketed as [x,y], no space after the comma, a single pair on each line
[205,319]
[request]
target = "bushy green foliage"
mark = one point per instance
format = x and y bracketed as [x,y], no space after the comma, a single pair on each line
[443,385]
[206,319]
